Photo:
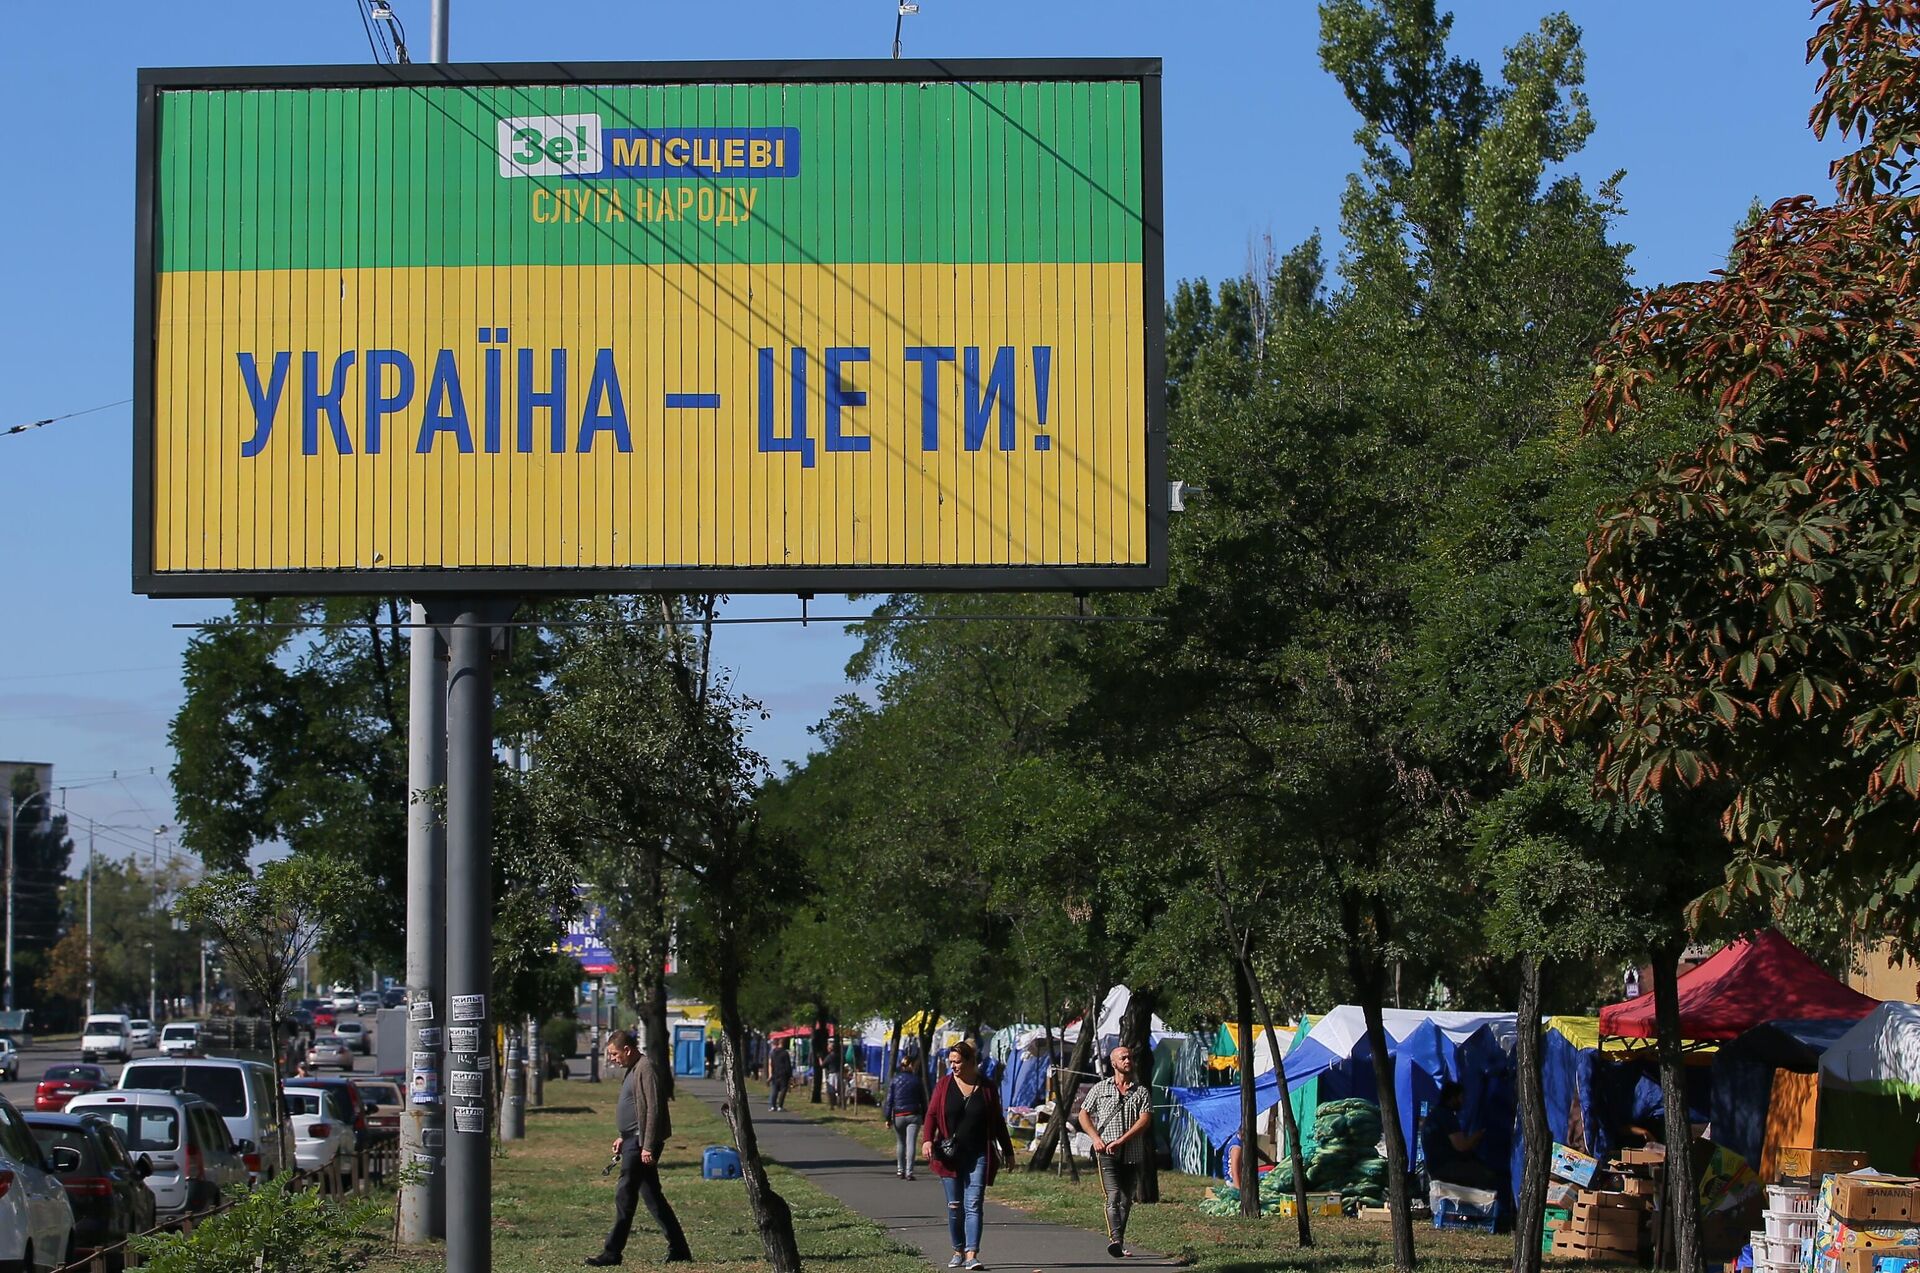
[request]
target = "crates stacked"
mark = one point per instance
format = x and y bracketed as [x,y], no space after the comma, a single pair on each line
[1601,1217]
[1787,1225]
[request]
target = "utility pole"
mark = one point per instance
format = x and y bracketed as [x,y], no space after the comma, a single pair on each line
[423,1127]
[90,831]
[469,930]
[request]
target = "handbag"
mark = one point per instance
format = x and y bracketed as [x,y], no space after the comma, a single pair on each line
[943,1151]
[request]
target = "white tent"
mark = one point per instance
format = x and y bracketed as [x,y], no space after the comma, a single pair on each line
[1880,1054]
[1111,1012]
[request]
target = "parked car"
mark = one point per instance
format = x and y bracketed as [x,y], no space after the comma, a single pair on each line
[181,1038]
[246,1093]
[195,1160]
[354,1034]
[9,1060]
[329,1049]
[61,1083]
[322,1130]
[108,1037]
[36,1220]
[302,1018]
[140,1032]
[345,1091]
[106,1188]
[394,997]
[382,1100]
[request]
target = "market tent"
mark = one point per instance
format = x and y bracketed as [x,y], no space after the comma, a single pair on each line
[1870,1089]
[1747,1085]
[1437,1046]
[1745,984]
[1879,1054]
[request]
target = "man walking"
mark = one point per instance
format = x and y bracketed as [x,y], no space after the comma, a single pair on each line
[779,1076]
[1118,1115]
[644,1128]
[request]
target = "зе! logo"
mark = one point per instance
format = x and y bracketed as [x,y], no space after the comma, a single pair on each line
[550,146]
[577,146]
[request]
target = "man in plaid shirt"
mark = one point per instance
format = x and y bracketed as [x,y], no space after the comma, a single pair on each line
[1118,1115]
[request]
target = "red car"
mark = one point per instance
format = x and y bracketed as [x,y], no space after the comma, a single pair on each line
[324,1019]
[62,1083]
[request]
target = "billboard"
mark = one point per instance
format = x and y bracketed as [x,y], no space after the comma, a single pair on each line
[572,328]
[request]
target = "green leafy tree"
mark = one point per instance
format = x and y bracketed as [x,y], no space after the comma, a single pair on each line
[128,914]
[268,921]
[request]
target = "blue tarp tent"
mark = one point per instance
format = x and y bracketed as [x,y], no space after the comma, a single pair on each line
[1427,1056]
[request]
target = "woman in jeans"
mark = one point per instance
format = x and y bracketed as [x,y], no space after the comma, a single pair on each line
[905,1110]
[965,1126]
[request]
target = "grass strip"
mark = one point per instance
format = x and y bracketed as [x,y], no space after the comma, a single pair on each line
[552,1207]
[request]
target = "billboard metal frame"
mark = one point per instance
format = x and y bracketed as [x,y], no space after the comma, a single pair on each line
[525,581]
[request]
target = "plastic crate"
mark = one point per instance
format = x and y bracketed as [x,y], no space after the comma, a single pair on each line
[1795,1200]
[1451,1213]
[1786,1228]
[720,1162]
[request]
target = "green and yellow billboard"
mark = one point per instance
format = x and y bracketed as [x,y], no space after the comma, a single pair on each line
[576,328]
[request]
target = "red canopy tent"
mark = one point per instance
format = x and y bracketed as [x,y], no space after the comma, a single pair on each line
[1749,983]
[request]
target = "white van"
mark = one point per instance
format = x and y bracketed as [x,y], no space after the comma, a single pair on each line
[180,1038]
[247,1094]
[108,1036]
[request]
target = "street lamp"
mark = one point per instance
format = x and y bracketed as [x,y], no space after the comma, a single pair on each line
[152,977]
[11,812]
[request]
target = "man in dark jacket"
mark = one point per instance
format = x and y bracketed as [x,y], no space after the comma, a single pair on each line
[644,1128]
[779,1076]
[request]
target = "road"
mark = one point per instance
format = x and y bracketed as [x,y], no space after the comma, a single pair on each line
[35,1060]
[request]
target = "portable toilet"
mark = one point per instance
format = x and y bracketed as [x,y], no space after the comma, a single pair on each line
[690,1050]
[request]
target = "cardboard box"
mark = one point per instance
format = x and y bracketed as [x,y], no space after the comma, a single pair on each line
[1571,1164]
[1874,1199]
[1807,1164]
[1590,1199]
[1885,1261]
[1640,1187]
[1560,1194]
[1575,1246]
[1610,1234]
[1646,1156]
[1318,1204]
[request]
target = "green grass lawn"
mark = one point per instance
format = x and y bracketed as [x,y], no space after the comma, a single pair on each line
[1212,1244]
[552,1207]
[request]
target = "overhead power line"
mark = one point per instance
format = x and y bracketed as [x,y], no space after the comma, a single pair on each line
[54,419]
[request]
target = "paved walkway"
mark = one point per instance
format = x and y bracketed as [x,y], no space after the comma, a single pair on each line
[916,1212]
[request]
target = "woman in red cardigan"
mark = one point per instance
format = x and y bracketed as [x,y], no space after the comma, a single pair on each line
[965,1125]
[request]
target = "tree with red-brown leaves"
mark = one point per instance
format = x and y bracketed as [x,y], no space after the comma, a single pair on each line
[1750,635]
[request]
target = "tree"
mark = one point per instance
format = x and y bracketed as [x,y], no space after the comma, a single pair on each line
[1748,623]
[294,731]
[1747,645]
[267,922]
[126,920]
[646,773]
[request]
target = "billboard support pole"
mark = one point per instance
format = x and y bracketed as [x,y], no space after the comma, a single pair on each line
[423,1128]
[437,32]
[469,931]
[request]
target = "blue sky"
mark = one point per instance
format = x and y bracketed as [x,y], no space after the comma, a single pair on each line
[1704,105]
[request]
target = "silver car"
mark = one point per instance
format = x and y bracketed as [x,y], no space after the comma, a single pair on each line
[196,1162]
